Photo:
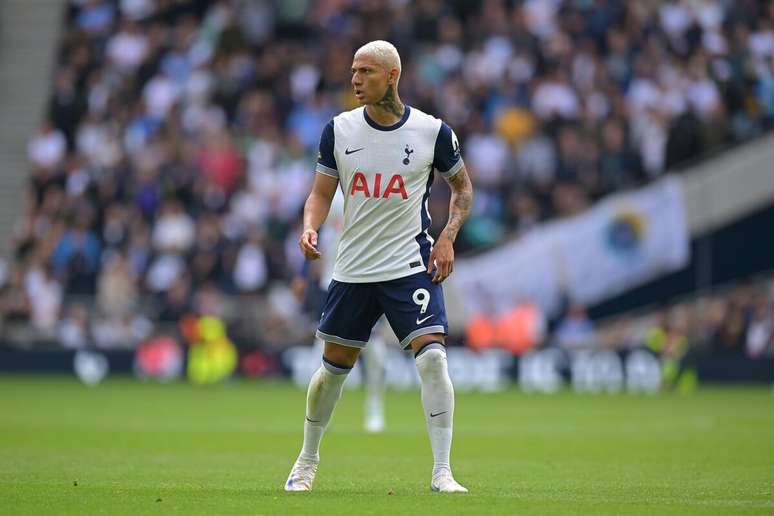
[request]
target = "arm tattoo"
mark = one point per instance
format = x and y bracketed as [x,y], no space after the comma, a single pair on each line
[459,205]
[389,104]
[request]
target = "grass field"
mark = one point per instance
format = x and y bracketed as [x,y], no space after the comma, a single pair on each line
[131,448]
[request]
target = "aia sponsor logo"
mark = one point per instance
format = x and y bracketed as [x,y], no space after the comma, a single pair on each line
[395,186]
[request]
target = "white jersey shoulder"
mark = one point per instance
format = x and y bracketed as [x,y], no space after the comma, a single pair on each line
[385,175]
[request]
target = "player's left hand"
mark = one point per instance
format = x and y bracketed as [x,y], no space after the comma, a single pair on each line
[442,256]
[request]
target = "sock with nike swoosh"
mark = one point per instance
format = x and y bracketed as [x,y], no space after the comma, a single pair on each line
[438,401]
[321,398]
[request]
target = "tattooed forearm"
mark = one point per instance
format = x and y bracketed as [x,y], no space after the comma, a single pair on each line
[390,104]
[460,203]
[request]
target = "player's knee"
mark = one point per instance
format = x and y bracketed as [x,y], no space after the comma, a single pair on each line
[435,356]
[419,343]
[342,356]
[431,362]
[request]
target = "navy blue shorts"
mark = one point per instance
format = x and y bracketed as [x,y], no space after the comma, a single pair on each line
[413,305]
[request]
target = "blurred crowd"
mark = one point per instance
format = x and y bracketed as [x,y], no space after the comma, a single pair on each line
[734,320]
[178,147]
[737,320]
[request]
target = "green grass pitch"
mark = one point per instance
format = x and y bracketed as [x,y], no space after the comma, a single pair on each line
[130,448]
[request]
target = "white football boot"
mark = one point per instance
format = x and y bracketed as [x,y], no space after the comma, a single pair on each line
[443,482]
[301,476]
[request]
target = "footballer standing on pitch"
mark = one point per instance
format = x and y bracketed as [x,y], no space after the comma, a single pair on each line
[383,156]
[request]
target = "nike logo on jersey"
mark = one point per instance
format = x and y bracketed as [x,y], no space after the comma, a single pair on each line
[348,152]
[312,420]
[438,414]
[420,321]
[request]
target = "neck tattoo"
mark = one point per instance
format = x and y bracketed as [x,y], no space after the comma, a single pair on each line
[390,104]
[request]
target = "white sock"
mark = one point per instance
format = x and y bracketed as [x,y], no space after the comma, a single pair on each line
[321,397]
[374,356]
[438,402]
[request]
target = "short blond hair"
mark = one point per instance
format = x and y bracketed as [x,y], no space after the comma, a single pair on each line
[384,52]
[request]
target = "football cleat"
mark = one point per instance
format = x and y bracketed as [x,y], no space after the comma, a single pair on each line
[301,476]
[443,482]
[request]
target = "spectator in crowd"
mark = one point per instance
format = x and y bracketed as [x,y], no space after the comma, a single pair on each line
[48,148]
[575,330]
[45,295]
[181,136]
[73,328]
[760,332]
[76,259]
[732,321]
[117,292]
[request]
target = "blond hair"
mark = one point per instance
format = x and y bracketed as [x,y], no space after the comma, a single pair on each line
[384,52]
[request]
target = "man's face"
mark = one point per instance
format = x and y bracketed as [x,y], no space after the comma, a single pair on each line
[369,79]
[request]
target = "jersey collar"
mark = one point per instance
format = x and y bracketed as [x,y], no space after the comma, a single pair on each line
[396,125]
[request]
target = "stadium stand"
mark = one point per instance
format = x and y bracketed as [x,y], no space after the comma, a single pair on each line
[178,144]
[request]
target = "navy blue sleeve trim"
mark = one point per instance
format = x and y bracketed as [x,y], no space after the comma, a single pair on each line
[447,158]
[325,156]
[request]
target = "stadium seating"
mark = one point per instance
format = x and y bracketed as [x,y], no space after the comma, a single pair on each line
[178,147]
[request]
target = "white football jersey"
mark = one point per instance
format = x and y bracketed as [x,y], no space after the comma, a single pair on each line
[385,174]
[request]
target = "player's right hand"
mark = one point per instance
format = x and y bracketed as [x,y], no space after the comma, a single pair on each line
[308,244]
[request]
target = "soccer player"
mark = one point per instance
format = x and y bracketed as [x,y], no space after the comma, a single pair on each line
[383,156]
